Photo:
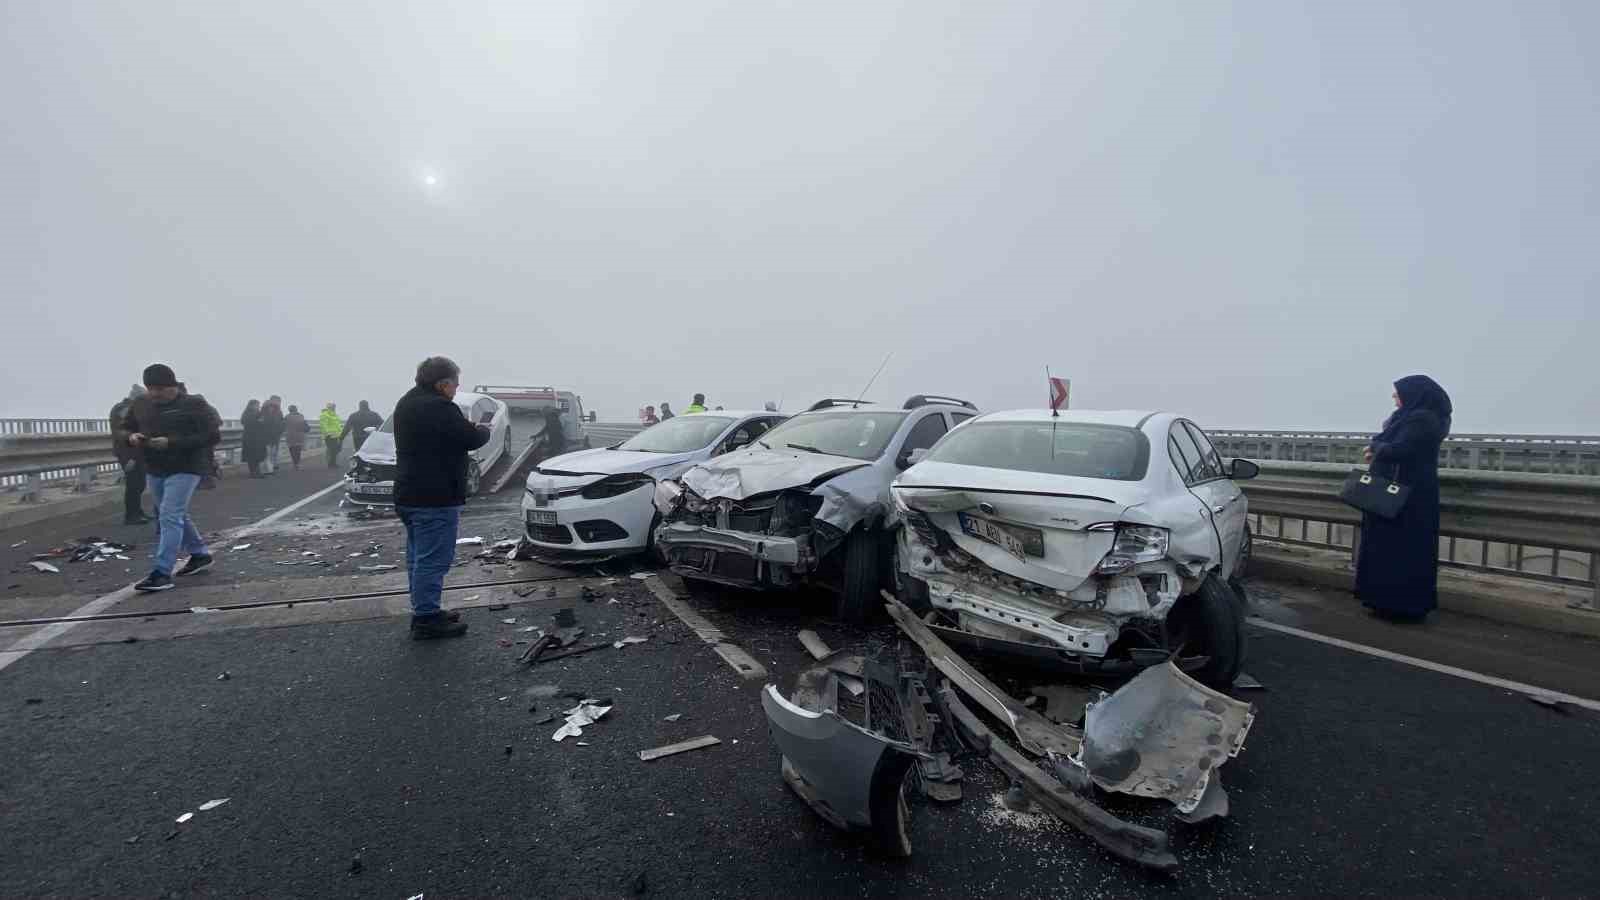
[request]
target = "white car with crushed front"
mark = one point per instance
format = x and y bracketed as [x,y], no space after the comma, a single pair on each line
[594,504]
[1100,541]
[370,481]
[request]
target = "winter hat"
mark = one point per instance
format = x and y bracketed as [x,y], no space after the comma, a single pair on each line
[159,375]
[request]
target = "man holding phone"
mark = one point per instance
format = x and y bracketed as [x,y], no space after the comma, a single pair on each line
[431,440]
[175,430]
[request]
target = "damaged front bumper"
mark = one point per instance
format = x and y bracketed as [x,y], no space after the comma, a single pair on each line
[734,557]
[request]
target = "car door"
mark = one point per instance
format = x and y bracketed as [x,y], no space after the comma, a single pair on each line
[922,435]
[1201,481]
[1235,510]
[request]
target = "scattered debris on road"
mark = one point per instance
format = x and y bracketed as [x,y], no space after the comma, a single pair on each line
[579,717]
[213,804]
[629,640]
[240,547]
[184,818]
[469,541]
[672,718]
[43,567]
[381,567]
[224,676]
[702,741]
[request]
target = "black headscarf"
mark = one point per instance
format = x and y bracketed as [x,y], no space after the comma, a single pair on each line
[1419,394]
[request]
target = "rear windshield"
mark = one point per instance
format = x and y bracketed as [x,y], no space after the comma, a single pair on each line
[679,435]
[852,434]
[1065,448]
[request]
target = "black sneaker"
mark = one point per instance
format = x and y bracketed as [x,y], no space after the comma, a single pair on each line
[195,565]
[427,628]
[140,519]
[153,582]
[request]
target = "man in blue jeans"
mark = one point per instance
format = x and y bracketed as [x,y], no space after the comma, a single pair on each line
[432,439]
[175,430]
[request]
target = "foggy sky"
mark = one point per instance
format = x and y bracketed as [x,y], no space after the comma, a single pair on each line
[1257,214]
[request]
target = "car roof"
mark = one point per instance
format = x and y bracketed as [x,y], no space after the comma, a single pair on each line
[1130,418]
[731,413]
[467,398]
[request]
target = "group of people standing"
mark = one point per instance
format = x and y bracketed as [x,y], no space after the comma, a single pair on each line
[648,416]
[267,428]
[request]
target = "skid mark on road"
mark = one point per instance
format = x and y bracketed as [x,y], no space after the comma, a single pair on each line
[742,662]
[33,641]
[1479,677]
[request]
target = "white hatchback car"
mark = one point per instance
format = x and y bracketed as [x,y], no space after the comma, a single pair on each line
[1102,541]
[595,504]
[370,481]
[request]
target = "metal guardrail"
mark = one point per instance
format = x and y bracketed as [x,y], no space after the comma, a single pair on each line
[29,460]
[1525,525]
[1553,453]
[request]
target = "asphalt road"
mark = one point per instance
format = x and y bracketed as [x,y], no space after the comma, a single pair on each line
[334,737]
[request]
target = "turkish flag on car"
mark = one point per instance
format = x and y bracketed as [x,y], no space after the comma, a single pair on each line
[1060,389]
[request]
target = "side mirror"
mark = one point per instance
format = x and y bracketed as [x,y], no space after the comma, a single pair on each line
[1243,470]
[911,458]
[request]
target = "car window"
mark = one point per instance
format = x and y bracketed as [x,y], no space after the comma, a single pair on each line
[678,435]
[388,426]
[1208,453]
[484,407]
[925,434]
[858,435]
[958,418]
[1052,448]
[1190,462]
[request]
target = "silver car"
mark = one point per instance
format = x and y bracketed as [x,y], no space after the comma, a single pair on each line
[809,502]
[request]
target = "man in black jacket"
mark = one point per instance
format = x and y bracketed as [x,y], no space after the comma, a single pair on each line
[356,426]
[431,441]
[175,430]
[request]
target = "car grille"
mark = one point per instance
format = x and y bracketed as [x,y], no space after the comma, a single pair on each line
[366,471]
[550,534]
[594,531]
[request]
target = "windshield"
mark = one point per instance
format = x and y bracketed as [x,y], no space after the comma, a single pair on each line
[1066,448]
[852,434]
[680,435]
[388,426]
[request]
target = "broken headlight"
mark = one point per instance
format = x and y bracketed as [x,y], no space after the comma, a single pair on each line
[667,495]
[614,486]
[1134,544]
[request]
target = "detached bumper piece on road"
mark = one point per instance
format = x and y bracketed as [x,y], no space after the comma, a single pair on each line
[854,758]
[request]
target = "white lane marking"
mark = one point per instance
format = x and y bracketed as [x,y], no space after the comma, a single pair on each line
[1441,668]
[33,641]
[741,661]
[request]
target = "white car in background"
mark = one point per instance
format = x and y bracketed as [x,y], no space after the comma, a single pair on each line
[1102,541]
[594,504]
[370,481]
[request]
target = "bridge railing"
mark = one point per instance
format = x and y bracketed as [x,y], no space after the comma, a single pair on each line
[1524,525]
[30,460]
[1564,454]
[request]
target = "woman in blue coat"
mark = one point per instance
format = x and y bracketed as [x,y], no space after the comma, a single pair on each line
[1397,570]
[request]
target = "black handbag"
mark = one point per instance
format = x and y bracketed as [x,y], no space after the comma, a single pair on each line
[1374,494]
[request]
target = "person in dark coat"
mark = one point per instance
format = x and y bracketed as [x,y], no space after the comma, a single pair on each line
[356,426]
[176,431]
[431,442]
[255,437]
[131,460]
[1397,567]
[272,419]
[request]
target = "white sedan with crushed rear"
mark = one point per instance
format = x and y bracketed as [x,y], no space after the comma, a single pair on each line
[1102,542]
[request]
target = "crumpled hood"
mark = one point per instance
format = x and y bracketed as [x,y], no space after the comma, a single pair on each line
[757,470]
[379,449]
[1121,494]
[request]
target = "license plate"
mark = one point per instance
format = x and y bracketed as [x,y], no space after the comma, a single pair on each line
[383,489]
[541,517]
[1017,541]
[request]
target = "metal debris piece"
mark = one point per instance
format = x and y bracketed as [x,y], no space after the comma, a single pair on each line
[813,644]
[510,621]
[381,567]
[1162,735]
[43,567]
[705,740]
[584,714]
[469,541]
[240,547]
[642,576]
[209,805]
[224,676]
[1145,846]
[849,776]
[672,718]
[184,818]
[629,640]
[509,544]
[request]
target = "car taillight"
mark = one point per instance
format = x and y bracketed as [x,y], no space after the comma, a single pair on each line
[615,486]
[1133,544]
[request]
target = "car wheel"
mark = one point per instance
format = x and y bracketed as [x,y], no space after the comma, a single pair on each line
[863,570]
[1208,623]
[655,554]
[474,478]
